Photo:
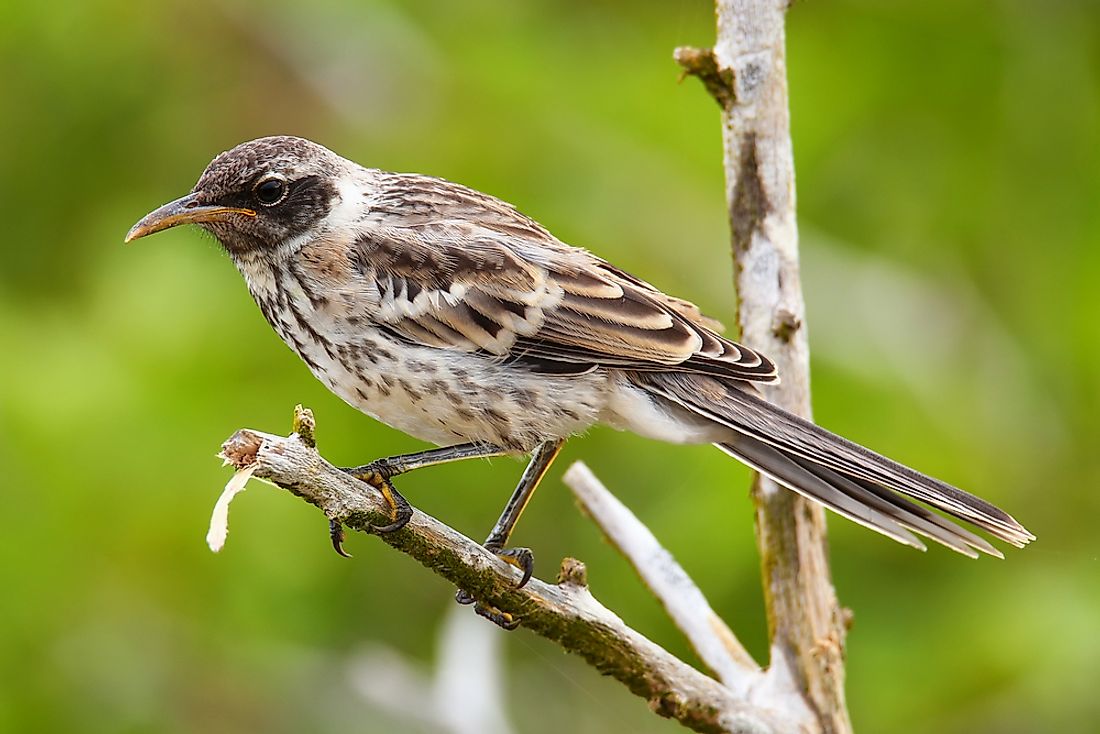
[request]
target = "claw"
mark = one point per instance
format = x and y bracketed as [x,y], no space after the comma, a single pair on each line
[504,620]
[400,522]
[375,476]
[402,511]
[521,558]
[336,534]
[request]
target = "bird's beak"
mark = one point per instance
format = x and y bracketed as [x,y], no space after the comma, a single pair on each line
[185,210]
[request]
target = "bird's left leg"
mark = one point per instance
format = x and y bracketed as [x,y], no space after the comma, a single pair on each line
[521,558]
[379,473]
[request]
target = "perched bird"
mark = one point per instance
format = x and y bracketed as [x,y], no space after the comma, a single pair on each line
[451,316]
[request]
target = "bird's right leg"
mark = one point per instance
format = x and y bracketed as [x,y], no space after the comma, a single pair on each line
[521,558]
[378,474]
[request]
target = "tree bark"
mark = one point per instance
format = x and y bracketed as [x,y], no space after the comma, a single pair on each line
[746,74]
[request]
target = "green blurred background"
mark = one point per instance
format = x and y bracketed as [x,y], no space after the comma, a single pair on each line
[948,166]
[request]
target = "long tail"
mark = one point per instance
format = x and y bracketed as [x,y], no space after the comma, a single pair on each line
[854,481]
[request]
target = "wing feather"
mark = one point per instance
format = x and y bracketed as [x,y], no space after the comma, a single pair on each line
[461,270]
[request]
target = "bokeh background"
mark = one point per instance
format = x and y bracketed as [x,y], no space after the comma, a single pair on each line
[948,165]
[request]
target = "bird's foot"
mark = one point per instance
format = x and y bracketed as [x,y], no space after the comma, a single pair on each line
[377,470]
[521,558]
[504,620]
[377,474]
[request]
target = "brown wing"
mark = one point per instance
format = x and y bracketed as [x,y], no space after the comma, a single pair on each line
[457,269]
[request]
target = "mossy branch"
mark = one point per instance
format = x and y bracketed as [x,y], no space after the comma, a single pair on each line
[564,612]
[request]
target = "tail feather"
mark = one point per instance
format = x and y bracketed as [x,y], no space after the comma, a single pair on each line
[790,474]
[834,471]
[917,518]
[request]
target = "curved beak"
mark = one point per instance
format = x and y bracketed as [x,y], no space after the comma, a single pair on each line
[185,210]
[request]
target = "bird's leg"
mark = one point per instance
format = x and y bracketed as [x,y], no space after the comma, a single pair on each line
[521,558]
[378,474]
[395,465]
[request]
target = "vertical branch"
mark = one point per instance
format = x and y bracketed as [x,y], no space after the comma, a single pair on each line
[746,73]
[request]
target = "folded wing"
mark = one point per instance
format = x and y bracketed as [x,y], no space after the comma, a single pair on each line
[467,271]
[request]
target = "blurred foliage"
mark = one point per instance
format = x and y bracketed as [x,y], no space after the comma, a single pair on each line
[948,171]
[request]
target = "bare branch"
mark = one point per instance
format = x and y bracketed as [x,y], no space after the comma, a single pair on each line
[749,61]
[565,612]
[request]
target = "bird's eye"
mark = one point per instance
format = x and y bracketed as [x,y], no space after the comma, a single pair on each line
[271,191]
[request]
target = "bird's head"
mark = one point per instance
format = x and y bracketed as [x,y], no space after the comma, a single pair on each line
[257,197]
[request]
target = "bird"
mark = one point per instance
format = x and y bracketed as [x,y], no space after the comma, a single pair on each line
[449,315]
